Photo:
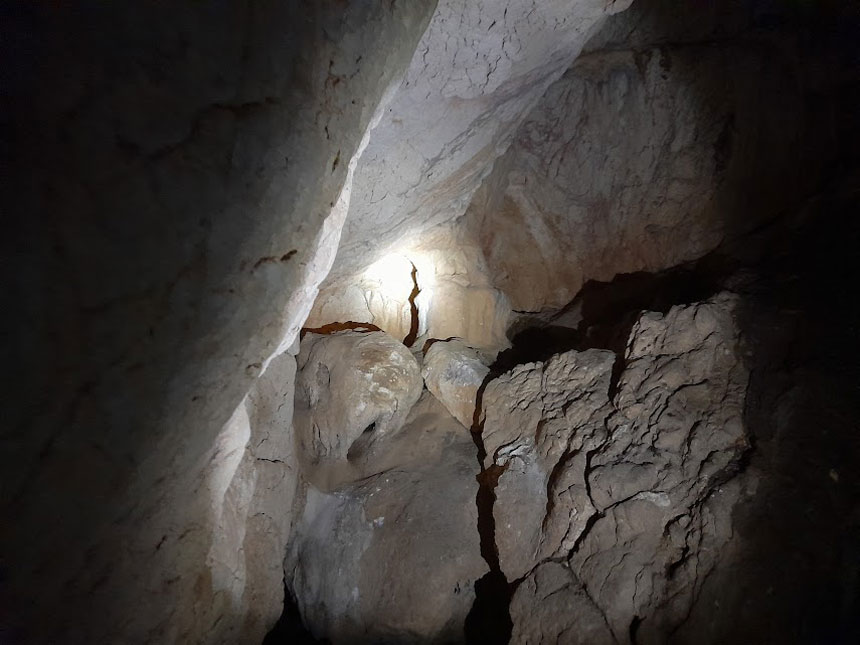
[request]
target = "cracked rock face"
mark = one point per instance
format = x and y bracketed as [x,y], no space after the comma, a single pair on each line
[663,138]
[627,501]
[353,390]
[394,558]
[541,420]
[454,372]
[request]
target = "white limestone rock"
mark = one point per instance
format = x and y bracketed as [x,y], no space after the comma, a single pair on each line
[353,390]
[540,421]
[454,372]
[551,606]
[648,152]
[193,163]
[394,557]
[658,482]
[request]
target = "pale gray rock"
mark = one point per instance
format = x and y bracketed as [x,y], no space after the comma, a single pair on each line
[478,70]
[637,492]
[353,390]
[454,373]
[659,142]
[540,421]
[394,557]
[664,483]
[191,163]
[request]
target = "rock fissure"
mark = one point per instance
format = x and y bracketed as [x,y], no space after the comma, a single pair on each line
[489,619]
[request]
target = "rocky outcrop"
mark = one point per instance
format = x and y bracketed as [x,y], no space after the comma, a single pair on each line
[551,606]
[354,389]
[454,373]
[671,132]
[541,421]
[478,71]
[178,178]
[394,557]
[630,499]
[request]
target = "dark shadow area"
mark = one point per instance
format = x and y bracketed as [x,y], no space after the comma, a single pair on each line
[793,572]
[289,628]
[489,620]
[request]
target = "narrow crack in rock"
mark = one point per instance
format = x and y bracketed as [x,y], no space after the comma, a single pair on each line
[413,309]
[489,621]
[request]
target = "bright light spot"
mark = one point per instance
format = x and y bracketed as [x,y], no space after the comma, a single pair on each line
[393,273]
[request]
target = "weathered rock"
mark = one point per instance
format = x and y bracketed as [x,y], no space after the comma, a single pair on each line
[454,372]
[479,69]
[178,177]
[394,558]
[456,296]
[657,481]
[663,483]
[551,606]
[540,422]
[662,139]
[353,390]
[252,500]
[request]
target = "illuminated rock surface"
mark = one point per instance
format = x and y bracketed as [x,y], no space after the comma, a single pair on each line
[637,221]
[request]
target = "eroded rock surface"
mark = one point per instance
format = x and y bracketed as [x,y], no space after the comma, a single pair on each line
[454,373]
[668,134]
[353,390]
[540,422]
[178,175]
[635,494]
[394,557]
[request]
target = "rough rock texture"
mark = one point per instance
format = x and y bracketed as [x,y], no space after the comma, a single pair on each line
[354,389]
[638,493]
[551,606]
[456,296]
[253,508]
[479,69]
[664,482]
[178,176]
[454,372]
[675,128]
[541,420]
[394,557]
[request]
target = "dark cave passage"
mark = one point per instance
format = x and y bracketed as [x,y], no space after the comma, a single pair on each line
[608,250]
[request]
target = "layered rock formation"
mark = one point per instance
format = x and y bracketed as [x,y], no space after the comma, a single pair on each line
[179,176]
[190,185]
[632,490]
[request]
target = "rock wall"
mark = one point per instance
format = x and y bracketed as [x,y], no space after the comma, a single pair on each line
[678,127]
[479,69]
[618,499]
[178,177]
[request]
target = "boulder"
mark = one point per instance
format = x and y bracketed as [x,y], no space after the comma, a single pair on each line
[353,390]
[394,557]
[541,420]
[454,373]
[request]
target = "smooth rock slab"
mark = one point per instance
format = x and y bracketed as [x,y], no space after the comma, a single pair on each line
[394,558]
[353,390]
[454,372]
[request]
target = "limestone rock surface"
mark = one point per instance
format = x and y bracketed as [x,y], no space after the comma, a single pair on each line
[540,422]
[665,137]
[454,372]
[394,558]
[181,174]
[353,390]
[551,606]
[634,494]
